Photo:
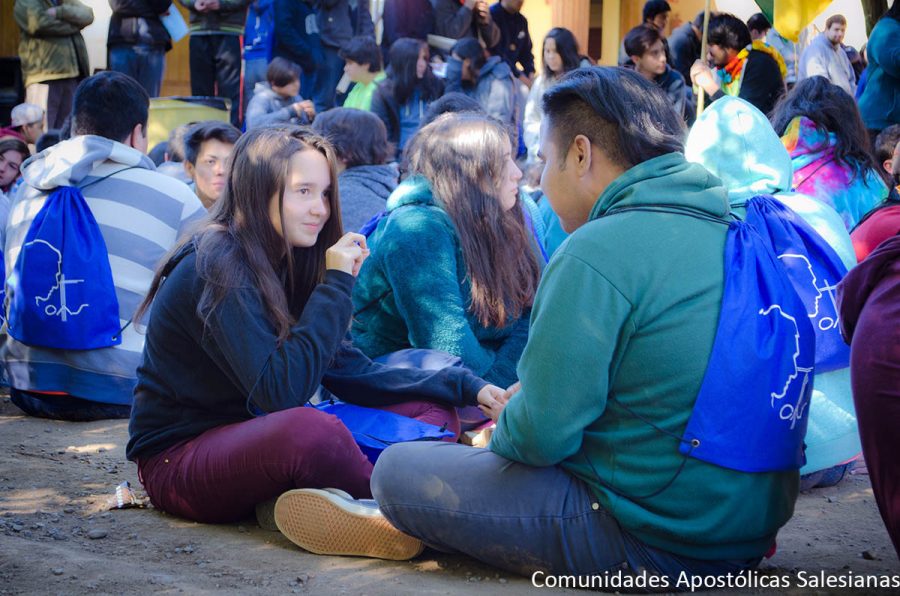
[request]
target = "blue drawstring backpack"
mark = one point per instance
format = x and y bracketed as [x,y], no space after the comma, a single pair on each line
[752,410]
[814,269]
[376,430]
[61,287]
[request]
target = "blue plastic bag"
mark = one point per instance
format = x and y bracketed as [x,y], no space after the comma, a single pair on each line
[753,407]
[376,430]
[815,270]
[61,288]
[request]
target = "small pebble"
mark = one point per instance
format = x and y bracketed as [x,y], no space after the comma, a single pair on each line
[868,556]
[97,534]
[57,571]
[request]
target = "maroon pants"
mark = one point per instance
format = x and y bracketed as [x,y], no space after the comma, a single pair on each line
[222,474]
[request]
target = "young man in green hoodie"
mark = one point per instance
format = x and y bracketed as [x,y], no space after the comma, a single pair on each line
[583,474]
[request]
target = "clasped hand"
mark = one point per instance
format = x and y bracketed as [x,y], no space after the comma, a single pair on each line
[492,400]
[347,254]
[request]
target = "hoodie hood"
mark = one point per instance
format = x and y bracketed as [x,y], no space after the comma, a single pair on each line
[70,162]
[734,140]
[665,181]
[265,90]
[415,190]
[854,291]
[496,67]
[381,180]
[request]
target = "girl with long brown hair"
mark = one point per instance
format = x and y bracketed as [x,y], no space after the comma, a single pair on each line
[452,268]
[249,317]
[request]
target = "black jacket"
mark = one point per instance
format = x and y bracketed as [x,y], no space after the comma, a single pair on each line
[685,48]
[136,22]
[194,378]
[761,82]
[515,42]
[454,20]
[406,18]
[297,35]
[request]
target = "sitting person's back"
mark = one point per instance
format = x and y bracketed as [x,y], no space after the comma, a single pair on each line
[821,128]
[140,214]
[488,80]
[451,268]
[365,179]
[735,142]
[278,101]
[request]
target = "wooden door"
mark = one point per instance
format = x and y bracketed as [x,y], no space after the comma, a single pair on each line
[177,78]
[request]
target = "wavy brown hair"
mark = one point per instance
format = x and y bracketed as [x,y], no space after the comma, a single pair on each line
[463,158]
[238,246]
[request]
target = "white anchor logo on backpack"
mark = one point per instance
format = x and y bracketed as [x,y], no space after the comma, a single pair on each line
[62,311]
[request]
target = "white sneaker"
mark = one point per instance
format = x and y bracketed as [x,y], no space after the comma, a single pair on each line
[327,522]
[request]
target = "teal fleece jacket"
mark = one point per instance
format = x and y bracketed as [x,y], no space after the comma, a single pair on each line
[629,347]
[413,291]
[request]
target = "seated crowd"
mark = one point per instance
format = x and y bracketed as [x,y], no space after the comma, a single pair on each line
[386,259]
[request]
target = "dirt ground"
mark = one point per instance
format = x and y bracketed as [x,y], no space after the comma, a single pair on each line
[55,537]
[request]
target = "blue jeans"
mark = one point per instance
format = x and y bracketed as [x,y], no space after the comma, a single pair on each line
[215,62]
[516,517]
[327,76]
[254,72]
[66,407]
[144,64]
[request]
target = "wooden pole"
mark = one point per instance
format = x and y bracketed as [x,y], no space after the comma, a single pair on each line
[701,95]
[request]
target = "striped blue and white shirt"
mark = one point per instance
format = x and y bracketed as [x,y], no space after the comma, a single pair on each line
[141,214]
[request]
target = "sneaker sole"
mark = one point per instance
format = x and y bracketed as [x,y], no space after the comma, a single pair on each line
[324,524]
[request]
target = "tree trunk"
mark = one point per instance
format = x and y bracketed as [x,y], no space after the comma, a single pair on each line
[872,10]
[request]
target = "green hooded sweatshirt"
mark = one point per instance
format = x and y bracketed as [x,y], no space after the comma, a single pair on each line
[621,332]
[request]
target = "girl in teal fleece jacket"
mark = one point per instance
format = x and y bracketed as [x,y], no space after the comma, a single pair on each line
[451,266]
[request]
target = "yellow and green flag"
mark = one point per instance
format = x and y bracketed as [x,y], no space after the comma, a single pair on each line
[790,17]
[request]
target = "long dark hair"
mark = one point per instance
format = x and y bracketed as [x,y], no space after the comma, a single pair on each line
[566,47]
[238,246]
[832,110]
[462,157]
[401,74]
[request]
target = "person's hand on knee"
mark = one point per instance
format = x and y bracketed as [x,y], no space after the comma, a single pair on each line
[491,401]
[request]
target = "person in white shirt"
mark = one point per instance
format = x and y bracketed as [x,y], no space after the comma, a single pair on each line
[825,57]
